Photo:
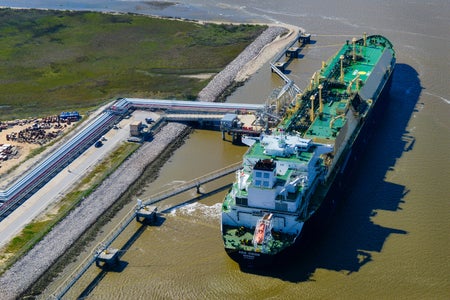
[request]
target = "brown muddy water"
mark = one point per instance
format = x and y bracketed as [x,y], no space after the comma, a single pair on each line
[389,238]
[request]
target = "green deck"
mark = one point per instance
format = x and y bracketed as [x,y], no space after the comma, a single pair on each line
[242,239]
[257,151]
[321,126]
[338,97]
[336,93]
[371,56]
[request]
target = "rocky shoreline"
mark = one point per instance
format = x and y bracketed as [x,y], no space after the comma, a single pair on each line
[230,73]
[22,277]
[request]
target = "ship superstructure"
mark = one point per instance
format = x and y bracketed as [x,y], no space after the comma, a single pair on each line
[288,174]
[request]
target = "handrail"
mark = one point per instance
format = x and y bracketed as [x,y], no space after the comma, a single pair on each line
[76,274]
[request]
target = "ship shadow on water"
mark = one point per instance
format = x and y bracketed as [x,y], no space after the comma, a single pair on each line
[346,240]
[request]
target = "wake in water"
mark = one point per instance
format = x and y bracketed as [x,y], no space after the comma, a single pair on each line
[437,96]
[199,210]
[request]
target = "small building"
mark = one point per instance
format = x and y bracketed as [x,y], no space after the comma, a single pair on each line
[135,128]
[72,116]
[228,122]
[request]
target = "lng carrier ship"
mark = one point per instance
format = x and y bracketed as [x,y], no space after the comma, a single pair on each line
[295,174]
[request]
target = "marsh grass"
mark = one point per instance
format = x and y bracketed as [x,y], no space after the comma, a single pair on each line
[53,61]
[37,229]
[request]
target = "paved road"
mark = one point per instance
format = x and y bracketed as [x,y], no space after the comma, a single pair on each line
[56,188]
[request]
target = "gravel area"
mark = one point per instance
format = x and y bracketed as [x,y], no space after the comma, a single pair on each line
[27,270]
[30,268]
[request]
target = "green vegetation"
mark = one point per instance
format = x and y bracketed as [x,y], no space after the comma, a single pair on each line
[37,229]
[53,61]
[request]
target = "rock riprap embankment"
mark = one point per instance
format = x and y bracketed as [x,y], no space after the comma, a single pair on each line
[27,270]
[227,76]
[30,268]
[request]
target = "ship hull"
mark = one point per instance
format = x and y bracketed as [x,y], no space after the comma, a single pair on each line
[248,259]
[336,192]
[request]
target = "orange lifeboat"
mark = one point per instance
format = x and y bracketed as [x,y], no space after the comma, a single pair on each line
[260,233]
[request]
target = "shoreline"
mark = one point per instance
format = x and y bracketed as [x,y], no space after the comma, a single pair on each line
[46,255]
[254,56]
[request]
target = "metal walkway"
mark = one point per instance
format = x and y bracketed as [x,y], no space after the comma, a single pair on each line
[31,181]
[192,184]
[196,106]
[24,187]
[193,117]
[78,272]
[289,84]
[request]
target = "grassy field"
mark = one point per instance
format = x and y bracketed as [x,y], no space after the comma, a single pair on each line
[53,61]
[38,228]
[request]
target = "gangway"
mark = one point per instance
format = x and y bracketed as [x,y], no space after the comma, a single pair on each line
[301,37]
[289,84]
[78,272]
[195,183]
